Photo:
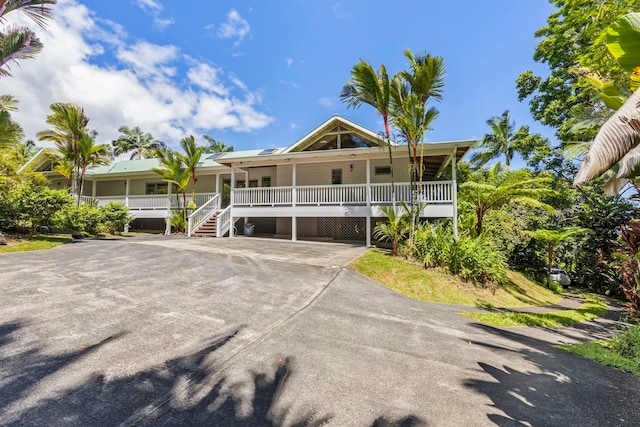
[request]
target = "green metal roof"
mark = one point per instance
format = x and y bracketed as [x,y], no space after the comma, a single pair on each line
[147,165]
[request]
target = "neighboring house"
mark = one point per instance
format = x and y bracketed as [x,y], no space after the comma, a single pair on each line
[330,185]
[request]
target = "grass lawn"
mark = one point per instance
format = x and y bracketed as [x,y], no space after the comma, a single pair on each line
[593,307]
[36,243]
[600,351]
[432,285]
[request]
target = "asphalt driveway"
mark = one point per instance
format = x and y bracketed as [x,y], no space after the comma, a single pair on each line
[250,332]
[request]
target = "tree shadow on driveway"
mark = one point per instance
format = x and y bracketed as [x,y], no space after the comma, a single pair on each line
[186,390]
[564,389]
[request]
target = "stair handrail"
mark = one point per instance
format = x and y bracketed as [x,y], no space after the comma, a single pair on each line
[224,221]
[202,214]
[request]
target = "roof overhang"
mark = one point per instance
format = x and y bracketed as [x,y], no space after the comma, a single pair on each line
[444,149]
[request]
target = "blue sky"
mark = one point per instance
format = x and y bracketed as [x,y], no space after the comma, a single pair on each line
[264,73]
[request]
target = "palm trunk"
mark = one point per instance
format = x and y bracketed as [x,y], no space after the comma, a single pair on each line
[393,185]
[549,264]
[184,206]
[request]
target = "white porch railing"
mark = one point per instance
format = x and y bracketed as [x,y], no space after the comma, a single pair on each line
[263,196]
[357,194]
[331,194]
[151,201]
[202,214]
[428,192]
[224,222]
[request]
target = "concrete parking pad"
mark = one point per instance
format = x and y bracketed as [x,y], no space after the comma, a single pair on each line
[251,332]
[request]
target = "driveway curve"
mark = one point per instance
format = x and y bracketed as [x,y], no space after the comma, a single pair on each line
[250,332]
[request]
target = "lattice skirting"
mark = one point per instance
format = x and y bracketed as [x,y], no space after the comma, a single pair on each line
[349,228]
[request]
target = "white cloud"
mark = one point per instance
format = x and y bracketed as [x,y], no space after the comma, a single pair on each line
[326,102]
[207,77]
[154,8]
[145,87]
[340,12]
[236,26]
[150,5]
[290,83]
[293,125]
[288,61]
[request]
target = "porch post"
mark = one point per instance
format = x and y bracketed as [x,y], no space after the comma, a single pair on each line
[368,221]
[127,184]
[454,191]
[294,219]
[233,184]
[94,186]
[218,184]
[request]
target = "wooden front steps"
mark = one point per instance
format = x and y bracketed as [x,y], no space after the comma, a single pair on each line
[208,228]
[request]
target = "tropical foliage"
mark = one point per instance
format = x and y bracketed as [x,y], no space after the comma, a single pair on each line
[111,218]
[139,144]
[370,87]
[18,42]
[216,146]
[504,140]
[75,143]
[495,188]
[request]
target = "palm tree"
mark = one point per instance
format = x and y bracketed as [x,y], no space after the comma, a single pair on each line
[426,81]
[69,124]
[141,144]
[551,239]
[18,42]
[191,158]
[216,146]
[11,133]
[367,86]
[410,92]
[497,143]
[173,169]
[486,193]
[91,154]
[65,168]
[394,229]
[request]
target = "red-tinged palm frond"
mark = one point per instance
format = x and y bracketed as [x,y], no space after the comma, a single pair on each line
[17,43]
[34,9]
[426,77]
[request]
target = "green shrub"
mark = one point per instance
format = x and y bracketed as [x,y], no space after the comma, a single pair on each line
[474,259]
[627,343]
[30,206]
[83,219]
[177,221]
[115,217]
[556,287]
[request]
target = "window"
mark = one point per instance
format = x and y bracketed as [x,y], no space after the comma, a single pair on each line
[240,184]
[253,183]
[336,176]
[156,188]
[266,181]
[383,170]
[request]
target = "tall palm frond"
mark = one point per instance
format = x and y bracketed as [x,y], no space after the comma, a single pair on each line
[140,144]
[34,9]
[192,155]
[16,44]
[371,87]
[496,143]
[216,146]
